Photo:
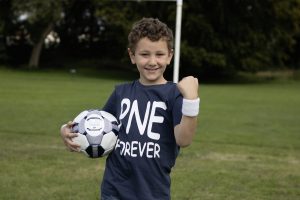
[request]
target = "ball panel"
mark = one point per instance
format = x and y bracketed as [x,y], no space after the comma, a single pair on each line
[81,126]
[108,116]
[80,116]
[109,140]
[107,151]
[107,126]
[94,124]
[75,128]
[95,151]
[94,140]
[82,141]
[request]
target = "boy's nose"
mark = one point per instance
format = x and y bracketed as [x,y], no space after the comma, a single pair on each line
[152,60]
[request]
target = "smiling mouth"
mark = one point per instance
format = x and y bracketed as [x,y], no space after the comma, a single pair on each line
[151,69]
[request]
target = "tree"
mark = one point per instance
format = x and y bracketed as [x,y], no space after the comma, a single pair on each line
[40,17]
[219,37]
[240,35]
[118,17]
[81,30]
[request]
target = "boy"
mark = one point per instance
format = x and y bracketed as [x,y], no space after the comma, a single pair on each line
[157,118]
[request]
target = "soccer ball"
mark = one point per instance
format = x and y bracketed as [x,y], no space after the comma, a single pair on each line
[98,132]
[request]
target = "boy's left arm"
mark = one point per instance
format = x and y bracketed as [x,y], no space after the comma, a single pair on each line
[185,131]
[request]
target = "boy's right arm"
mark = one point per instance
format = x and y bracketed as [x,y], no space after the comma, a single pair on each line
[67,135]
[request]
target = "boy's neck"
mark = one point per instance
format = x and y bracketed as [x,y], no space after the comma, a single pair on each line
[152,83]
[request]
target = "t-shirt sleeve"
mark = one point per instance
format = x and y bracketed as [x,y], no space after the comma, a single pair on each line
[177,106]
[111,103]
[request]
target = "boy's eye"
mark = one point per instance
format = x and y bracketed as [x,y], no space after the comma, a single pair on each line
[148,54]
[144,54]
[160,54]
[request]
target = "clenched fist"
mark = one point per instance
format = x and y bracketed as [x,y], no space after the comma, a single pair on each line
[188,87]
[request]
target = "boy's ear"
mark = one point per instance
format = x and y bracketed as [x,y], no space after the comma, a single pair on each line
[171,53]
[131,55]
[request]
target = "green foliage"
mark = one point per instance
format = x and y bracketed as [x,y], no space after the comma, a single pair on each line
[118,17]
[40,14]
[218,37]
[245,35]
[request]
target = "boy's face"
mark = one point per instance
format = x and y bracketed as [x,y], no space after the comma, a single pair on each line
[151,59]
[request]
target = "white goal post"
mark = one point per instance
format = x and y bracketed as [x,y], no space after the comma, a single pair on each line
[177,40]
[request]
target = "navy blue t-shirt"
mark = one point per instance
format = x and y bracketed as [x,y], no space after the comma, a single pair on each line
[146,150]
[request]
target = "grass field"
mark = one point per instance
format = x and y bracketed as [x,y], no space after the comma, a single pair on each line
[247,144]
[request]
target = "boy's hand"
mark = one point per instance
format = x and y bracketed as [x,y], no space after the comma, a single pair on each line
[67,136]
[188,87]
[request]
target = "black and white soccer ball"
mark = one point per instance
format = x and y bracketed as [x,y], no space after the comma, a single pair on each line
[98,132]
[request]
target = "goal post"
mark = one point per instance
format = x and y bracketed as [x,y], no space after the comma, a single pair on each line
[177,40]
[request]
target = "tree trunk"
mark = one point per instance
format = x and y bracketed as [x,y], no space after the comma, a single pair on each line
[37,48]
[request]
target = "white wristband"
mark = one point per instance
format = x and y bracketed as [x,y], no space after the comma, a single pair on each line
[190,107]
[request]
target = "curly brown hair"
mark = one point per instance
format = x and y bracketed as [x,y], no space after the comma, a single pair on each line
[151,28]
